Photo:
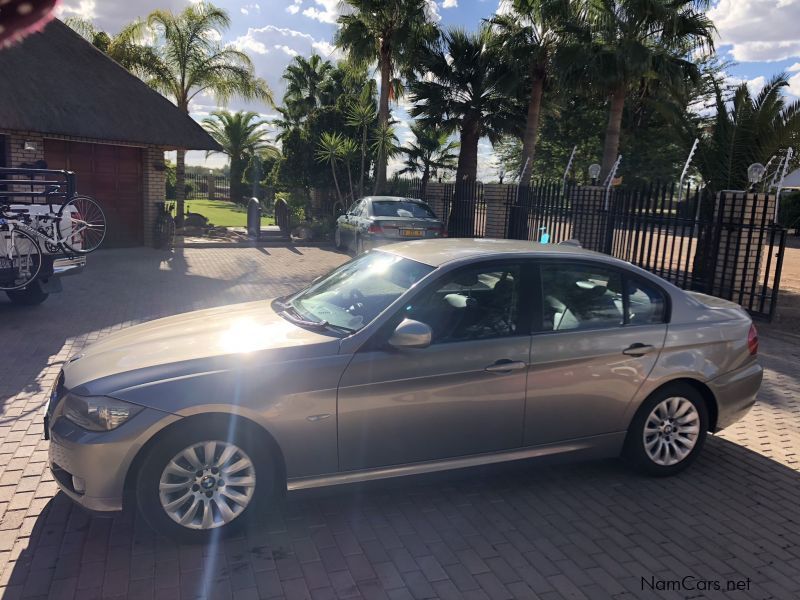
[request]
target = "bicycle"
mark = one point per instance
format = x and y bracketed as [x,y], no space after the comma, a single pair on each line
[164,227]
[78,227]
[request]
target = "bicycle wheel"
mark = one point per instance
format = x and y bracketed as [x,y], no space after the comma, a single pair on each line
[20,259]
[86,228]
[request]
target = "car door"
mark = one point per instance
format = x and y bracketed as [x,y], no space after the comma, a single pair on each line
[464,394]
[597,335]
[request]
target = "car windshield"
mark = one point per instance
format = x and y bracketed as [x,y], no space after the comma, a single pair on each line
[402,208]
[358,291]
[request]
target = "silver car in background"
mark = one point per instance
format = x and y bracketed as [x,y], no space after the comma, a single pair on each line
[376,220]
[418,357]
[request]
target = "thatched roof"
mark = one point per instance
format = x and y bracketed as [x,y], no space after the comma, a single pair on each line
[56,82]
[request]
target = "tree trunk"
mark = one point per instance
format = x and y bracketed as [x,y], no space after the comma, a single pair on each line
[336,182]
[462,213]
[423,186]
[350,179]
[180,187]
[236,174]
[363,162]
[531,128]
[611,145]
[383,115]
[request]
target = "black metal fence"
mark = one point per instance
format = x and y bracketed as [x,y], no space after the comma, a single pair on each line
[207,187]
[727,245]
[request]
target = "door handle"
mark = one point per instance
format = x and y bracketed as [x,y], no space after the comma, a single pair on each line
[506,366]
[638,349]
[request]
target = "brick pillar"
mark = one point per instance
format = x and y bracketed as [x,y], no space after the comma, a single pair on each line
[434,196]
[589,218]
[740,255]
[211,184]
[154,189]
[495,195]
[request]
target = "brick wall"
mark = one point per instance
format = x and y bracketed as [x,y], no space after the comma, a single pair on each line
[154,189]
[496,196]
[741,251]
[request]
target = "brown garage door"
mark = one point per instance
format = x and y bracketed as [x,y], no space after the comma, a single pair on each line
[112,175]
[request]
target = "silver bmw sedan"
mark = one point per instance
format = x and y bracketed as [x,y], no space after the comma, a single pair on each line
[418,357]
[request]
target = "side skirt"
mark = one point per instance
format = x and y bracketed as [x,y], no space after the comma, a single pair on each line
[601,446]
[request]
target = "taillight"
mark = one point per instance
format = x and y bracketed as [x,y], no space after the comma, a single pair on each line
[375,228]
[436,231]
[752,340]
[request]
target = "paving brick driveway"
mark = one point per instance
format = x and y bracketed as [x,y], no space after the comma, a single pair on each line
[590,530]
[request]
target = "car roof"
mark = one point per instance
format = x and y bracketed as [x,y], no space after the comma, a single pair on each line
[392,199]
[436,252]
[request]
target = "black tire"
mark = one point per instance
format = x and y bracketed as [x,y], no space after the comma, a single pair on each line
[245,436]
[30,296]
[635,449]
[337,239]
[19,244]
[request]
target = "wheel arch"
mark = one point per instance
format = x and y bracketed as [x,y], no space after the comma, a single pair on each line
[703,390]
[229,419]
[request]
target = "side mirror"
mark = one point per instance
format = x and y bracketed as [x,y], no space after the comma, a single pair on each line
[411,334]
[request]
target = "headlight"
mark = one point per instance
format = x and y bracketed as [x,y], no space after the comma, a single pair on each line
[98,413]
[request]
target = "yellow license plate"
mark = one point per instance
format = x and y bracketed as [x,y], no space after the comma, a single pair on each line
[411,233]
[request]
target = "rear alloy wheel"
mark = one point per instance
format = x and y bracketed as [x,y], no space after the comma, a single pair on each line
[668,431]
[192,486]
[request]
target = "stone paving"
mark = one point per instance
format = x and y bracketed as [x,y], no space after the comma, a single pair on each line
[588,530]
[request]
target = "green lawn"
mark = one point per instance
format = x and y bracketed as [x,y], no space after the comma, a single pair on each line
[222,213]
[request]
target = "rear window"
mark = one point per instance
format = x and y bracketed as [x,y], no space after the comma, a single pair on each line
[408,209]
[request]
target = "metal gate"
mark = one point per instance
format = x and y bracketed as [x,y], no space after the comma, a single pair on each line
[726,245]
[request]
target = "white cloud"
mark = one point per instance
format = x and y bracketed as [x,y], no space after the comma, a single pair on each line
[294,8]
[328,14]
[85,9]
[247,8]
[286,50]
[247,43]
[794,68]
[432,11]
[794,86]
[450,4]
[327,50]
[758,30]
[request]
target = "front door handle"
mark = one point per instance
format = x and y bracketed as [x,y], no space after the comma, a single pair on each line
[506,366]
[638,349]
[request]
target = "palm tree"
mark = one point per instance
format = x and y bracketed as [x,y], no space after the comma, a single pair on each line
[305,82]
[432,150]
[384,143]
[747,130]
[530,35]
[128,47]
[242,136]
[330,151]
[466,87]
[348,152]
[361,115]
[389,32]
[639,43]
[191,61]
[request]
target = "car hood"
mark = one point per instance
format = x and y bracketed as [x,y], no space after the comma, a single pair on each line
[216,333]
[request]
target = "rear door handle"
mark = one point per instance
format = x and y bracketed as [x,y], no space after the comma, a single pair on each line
[638,349]
[506,366]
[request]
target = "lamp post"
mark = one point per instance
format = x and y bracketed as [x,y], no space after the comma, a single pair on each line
[594,172]
[501,172]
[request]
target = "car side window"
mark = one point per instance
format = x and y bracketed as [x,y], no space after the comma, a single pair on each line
[473,304]
[646,303]
[580,296]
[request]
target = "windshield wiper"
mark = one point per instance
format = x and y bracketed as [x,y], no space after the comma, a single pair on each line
[297,320]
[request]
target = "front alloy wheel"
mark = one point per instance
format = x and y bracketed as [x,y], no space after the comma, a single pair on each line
[206,476]
[207,485]
[668,431]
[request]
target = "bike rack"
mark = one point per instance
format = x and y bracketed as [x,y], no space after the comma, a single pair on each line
[47,184]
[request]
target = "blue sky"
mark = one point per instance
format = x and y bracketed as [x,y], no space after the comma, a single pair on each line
[762,36]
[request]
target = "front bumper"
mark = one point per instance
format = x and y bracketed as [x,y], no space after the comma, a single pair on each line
[99,461]
[735,393]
